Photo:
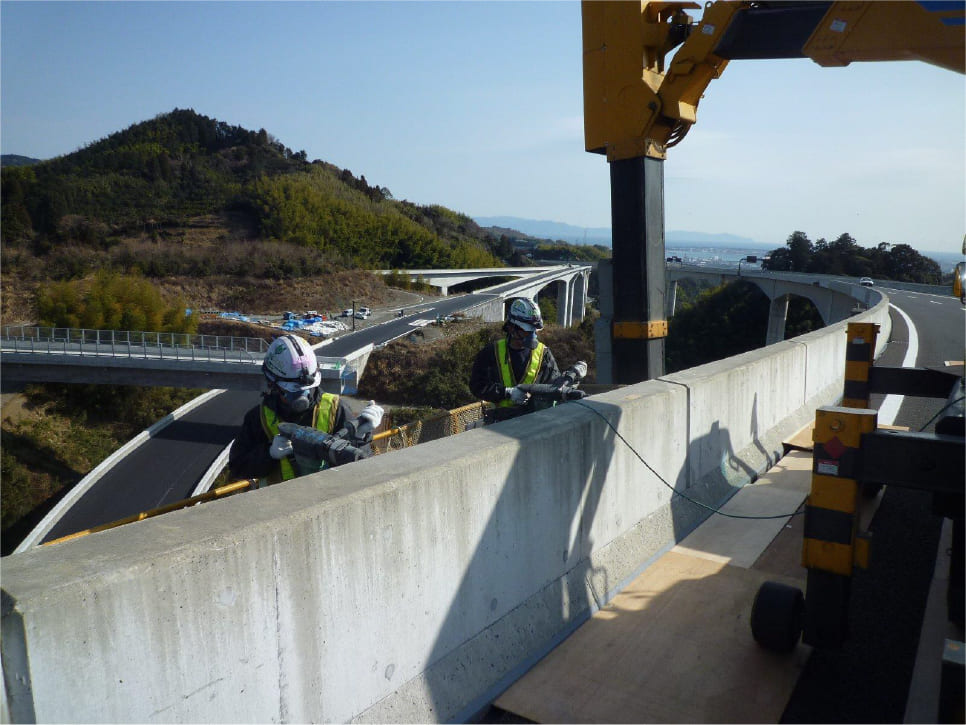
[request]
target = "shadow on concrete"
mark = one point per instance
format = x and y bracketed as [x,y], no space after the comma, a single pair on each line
[554,609]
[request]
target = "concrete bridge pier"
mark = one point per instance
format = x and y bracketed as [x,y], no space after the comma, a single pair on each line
[671,298]
[578,297]
[777,314]
[564,299]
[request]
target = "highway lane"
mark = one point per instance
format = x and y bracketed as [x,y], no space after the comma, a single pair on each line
[869,679]
[161,470]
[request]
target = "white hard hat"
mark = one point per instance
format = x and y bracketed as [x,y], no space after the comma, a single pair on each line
[525,315]
[291,364]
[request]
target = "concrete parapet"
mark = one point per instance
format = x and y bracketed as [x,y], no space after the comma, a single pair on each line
[410,587]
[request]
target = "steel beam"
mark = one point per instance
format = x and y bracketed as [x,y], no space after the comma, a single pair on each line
[637,222]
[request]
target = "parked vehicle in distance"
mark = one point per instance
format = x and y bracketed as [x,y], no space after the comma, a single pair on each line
[347,312]
[363,314]
[866,281]
[365,310]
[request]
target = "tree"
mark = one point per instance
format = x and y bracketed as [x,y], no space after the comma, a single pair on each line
[799,249]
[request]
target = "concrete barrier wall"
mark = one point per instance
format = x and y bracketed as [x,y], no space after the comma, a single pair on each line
[409,587]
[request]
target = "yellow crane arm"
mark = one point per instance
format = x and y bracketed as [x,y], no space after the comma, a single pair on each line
[637,104]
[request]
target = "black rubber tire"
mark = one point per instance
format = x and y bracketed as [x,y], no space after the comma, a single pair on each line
[777,616]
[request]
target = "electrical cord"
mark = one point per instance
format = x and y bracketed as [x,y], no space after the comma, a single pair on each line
[712,509]
[941,411]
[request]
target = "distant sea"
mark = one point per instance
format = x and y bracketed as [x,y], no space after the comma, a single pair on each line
[728,256]
[724,255]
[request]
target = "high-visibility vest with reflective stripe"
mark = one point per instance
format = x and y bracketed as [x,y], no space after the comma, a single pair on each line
[506,370]
[324,420]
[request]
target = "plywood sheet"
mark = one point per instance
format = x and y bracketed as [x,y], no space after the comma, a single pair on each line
[674,646]
[801,440]
[740,541]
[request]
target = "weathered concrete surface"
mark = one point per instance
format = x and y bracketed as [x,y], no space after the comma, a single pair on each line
[414,586]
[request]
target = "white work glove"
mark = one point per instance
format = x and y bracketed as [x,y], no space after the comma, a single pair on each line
[581,368]
[281,448]
[518,396]
[372,413]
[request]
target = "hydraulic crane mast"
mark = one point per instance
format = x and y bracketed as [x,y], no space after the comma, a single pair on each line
[638,102]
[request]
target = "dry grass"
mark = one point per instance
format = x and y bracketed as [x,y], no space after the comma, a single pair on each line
[332,292]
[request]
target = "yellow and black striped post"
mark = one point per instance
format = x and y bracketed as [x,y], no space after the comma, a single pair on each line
[832,542]
[859,354]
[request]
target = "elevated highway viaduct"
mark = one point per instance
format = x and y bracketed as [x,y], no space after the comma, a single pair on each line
[408,587]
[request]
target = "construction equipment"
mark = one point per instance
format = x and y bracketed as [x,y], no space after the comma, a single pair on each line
[545,395]
[310,446]
[850,451]
[639,101]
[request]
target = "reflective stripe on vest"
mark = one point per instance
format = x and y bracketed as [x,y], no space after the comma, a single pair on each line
[506,370]
[325,415]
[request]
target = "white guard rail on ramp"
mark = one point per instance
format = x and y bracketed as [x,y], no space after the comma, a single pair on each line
[409,587]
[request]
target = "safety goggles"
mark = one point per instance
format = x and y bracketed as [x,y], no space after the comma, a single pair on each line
[305,382]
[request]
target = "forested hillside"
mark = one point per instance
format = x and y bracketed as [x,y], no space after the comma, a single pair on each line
[845,256]
[178,194]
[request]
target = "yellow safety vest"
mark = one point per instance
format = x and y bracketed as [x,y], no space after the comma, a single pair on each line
[506,370]
[324,420]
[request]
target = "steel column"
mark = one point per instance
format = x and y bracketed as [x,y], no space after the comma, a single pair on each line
[637,221]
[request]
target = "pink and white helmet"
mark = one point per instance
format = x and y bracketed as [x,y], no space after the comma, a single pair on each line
[291,364]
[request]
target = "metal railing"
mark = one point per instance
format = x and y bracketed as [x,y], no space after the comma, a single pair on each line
[125,343]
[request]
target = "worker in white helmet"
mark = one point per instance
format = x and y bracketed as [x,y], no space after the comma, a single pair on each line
[516,359]
[295,396]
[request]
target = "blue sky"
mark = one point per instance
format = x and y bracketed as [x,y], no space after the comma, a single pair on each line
[478,106]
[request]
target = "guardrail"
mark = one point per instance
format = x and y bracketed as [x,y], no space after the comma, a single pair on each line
[131,344]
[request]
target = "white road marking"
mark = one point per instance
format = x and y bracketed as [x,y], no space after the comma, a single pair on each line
[890,406]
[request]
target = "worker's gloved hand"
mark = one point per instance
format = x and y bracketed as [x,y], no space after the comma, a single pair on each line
[372,413]
[281,448]
[517,396]
[580,367]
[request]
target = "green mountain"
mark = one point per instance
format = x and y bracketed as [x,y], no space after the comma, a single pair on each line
[190,185]
[15,160]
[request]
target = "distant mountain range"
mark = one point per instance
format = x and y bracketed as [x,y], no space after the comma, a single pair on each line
[544,229]
[15,160]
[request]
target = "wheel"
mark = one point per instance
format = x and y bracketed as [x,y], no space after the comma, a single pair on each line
[777,616]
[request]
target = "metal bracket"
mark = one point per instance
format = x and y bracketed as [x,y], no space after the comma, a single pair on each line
[639,330]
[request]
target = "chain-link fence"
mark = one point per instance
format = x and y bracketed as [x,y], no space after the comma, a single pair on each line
[429,429]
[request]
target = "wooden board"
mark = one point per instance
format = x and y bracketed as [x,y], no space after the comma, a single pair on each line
[676,645]
[801,440]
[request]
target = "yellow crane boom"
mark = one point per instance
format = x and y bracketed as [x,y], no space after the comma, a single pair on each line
[637,102]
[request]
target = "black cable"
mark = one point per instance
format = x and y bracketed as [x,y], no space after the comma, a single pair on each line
[941,411]
[712,509]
